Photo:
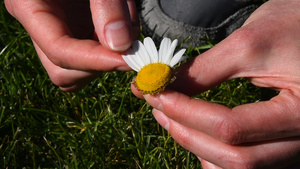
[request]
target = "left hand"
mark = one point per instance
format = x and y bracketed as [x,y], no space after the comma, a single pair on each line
[254,135]
[257,135]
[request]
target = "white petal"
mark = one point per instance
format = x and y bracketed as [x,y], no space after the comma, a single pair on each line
[135,59]
[151,48]
[127,58]
[129,63]
[183,58]
[141,52]
[169,55]
[177,57]
[163,49]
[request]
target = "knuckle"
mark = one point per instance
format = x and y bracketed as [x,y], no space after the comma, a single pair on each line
[16,8]
[59,77]
[247,41]
[60,52]
[55,59]
[57,55]
[9,7]
[240,160]
[183,137]
[228,131]
[244,36]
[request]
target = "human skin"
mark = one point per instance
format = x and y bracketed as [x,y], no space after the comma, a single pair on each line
[76,40]
[266,49]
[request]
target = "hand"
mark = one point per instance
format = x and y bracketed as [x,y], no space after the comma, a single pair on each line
[66,35]
[242,137]
[257,135]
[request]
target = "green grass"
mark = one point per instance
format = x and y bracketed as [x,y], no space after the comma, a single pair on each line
[102,126]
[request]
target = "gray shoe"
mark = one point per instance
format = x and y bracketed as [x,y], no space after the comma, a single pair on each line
[160,19]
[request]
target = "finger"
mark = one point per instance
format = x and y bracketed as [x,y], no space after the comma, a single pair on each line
[241,54]
[208,165]
[134,18]
[277,118]
[44,22]
[113,23]
[8,6]
[274,154]
[136,92]
[231,58]
[67,80]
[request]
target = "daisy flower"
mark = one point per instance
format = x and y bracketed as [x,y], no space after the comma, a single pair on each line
[155,68]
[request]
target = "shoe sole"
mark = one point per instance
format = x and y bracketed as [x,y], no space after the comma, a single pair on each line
[157,24]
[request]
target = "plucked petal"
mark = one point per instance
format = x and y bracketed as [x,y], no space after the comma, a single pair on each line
[183,58]
[141,52]
[130,63]
[177,57]
[136,60]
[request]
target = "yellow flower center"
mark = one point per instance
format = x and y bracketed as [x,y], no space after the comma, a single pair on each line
[153,78]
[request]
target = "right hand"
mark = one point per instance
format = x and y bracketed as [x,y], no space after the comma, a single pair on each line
[263,134]
[78,39]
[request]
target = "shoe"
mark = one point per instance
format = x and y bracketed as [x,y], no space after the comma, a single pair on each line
[194,21]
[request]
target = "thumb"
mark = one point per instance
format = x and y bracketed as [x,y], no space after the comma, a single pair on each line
[114,23]
[207,70]
[231,58]
[256,50]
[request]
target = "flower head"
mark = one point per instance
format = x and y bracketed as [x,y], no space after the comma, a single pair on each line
[154,67]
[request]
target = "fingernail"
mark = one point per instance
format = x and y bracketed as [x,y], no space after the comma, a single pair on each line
[118,36]
[123,68]
[162,119]
[154,101]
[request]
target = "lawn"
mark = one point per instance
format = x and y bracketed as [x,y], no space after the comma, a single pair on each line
[101,126]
